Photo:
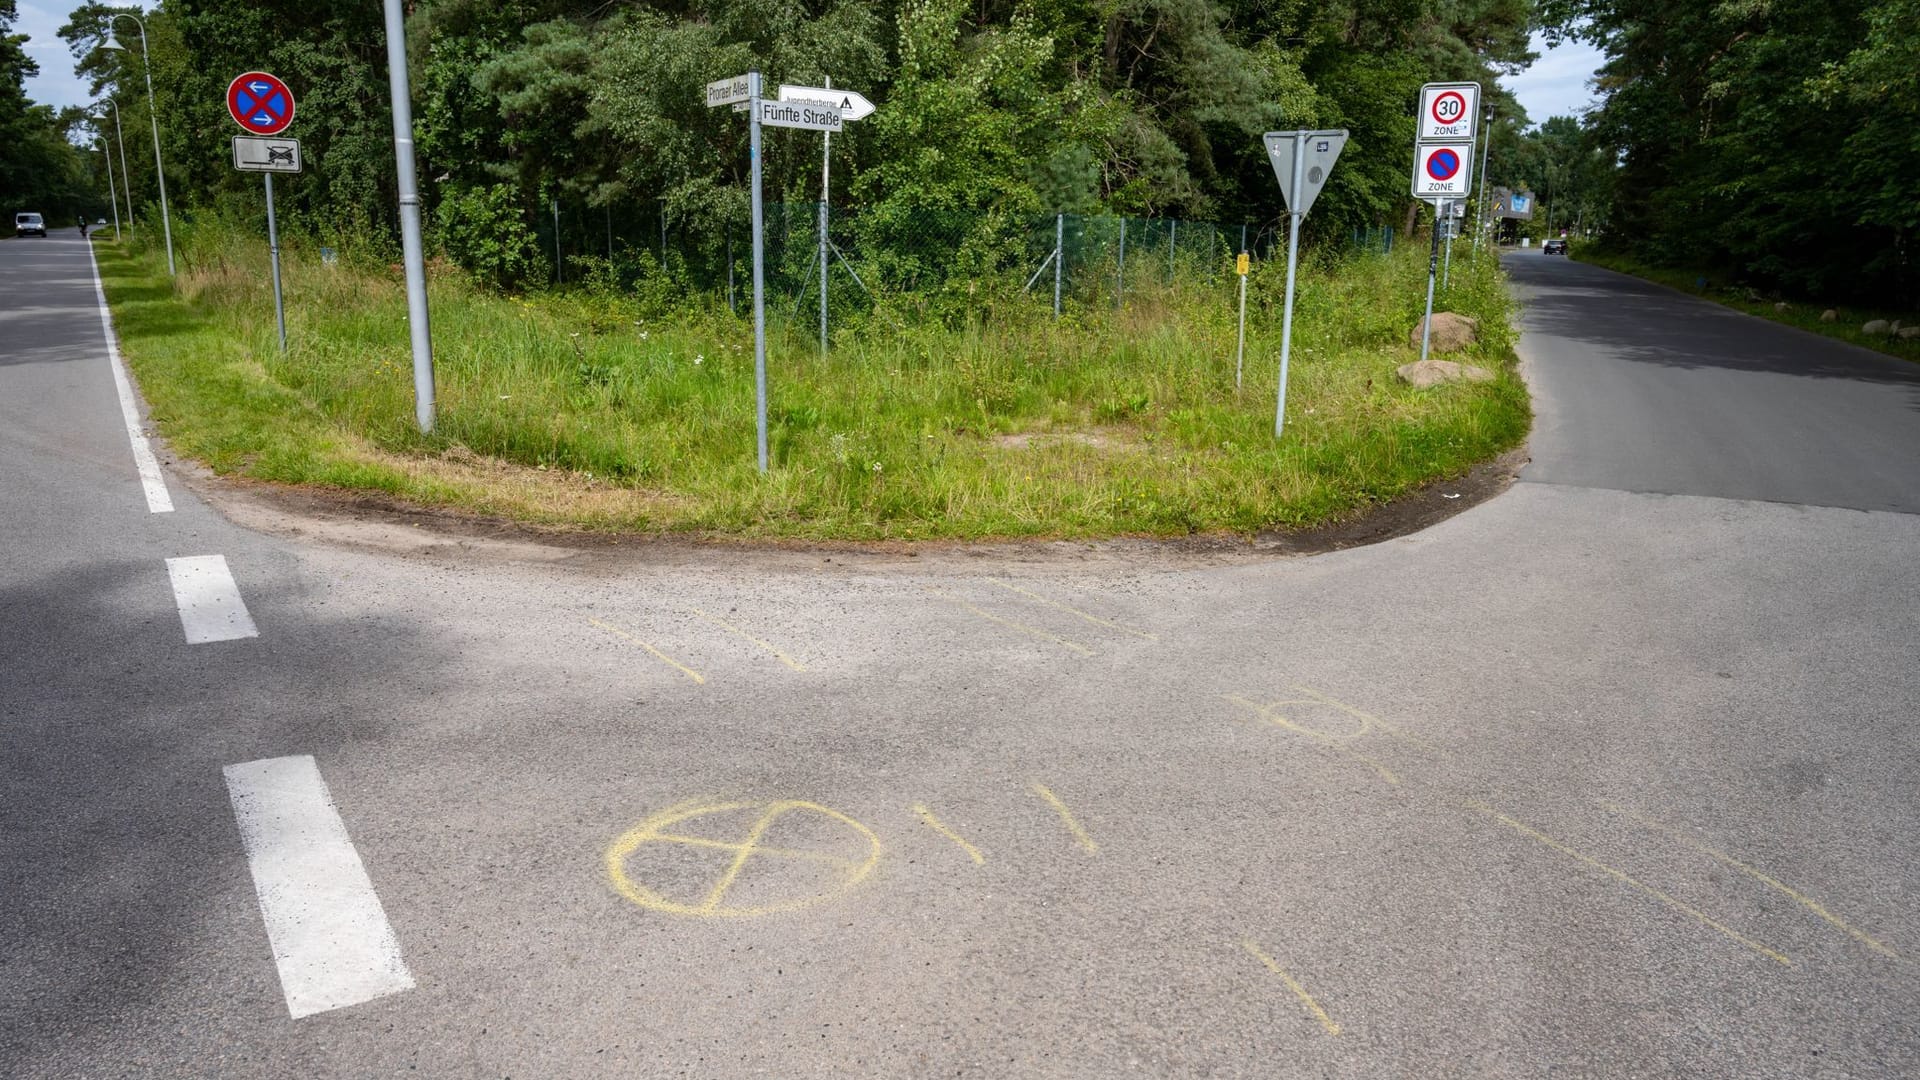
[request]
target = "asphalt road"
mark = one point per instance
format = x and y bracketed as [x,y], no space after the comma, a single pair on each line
[1613,775]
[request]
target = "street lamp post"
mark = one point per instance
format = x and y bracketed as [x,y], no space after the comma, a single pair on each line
[153,114]
[112,195]
[126,178]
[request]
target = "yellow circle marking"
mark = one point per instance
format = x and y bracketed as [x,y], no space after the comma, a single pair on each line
[654,831]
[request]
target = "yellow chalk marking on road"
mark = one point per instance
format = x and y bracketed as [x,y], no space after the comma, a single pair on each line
[1338,745]
[1095,619]
[940,827]
[1625,878]
[1320,1014]
[778,655]
[1722,857]
[1022,627]
[747,851]
[663,657]
[1367,720]
[1066,815]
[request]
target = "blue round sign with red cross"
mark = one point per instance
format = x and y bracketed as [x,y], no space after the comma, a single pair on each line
[260,103]
[1443,164]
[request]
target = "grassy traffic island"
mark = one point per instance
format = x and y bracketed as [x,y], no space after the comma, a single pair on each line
[595,409]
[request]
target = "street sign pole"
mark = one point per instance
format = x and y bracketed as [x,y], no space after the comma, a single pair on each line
[273,246]
[1433,260]
[1293,252]
[1240,351]
[759,278]
[411,251]
[1446,273]
[826,163]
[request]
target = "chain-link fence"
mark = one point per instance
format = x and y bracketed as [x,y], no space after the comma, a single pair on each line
[1067,261]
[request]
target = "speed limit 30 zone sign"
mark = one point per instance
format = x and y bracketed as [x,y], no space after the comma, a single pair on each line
[1442,170]
[1448,111]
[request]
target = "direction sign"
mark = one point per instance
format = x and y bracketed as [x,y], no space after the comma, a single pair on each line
[812,115]
[260,103]
[1442,170]
[1321,149]
[726,91]
[1448,111]
[266,155]
[852,106]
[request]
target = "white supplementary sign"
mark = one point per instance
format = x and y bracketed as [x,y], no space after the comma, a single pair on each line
[852,106]
[1442,170]
[251,154]
[811,115]
[1322,149]
[726,91]
[1448,111]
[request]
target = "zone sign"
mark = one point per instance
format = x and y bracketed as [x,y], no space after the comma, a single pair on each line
[1448,110]
[1442,170]
[260,103]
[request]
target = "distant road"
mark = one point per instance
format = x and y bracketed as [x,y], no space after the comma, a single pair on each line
[1641,388]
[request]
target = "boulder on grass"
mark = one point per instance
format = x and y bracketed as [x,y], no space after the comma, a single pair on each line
[1451,332]
[1908,333]
[1829,315]
[1877,327]
[1780,307]
[1422,374]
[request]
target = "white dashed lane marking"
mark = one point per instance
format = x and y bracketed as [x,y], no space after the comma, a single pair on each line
[210,605]
[330,936]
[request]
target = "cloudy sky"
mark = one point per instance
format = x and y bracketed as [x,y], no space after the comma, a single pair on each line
[1556,85]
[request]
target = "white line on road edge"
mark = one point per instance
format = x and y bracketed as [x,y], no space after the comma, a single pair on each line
[331,939]
[209,601]
[158,501]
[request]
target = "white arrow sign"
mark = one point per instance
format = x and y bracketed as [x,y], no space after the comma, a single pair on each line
[852,106]
[1321,150]
[812,115]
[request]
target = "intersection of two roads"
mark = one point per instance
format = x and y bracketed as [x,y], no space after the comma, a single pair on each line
[1611,775]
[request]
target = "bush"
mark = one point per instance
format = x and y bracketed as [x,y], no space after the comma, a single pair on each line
[483,231]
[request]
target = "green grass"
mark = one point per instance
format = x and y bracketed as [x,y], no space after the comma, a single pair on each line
[577,408]
[1846,325]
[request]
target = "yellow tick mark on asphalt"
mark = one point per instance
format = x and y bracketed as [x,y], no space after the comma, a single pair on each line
[940,827]
[1367,720]
[1320,1014]
[1095,619]
[663,657]
[1627,879]
[749,850]
[1022,627]
[1337,744]
[1079,834]
[778,655]
[1722,857]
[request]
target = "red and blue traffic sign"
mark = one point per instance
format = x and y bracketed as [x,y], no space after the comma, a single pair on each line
[1443,164]
[260,103]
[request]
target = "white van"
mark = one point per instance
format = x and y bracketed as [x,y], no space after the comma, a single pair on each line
[29,224]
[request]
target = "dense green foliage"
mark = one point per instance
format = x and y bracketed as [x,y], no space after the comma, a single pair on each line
[997,109]
[1777,141]
[40,170]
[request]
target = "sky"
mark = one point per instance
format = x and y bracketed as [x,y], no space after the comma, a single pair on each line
[1556,85]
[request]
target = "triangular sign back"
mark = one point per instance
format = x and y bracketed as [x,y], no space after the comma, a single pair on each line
[1321,150]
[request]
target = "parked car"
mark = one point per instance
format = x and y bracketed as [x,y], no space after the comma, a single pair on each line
[1554,247]
[29,225]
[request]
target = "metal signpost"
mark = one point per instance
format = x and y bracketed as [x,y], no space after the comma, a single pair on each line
[1240,266]
[412,253]
[1443,167]
[1301,162]
[263,106]
[744,90]
[852,107]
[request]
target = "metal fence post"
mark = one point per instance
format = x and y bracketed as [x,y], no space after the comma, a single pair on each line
[1173,247]
[1120,277]
[1059,257]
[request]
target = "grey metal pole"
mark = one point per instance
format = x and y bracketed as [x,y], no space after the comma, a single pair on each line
[731,306]
[1486,189]
[1173,246]
[273,247]
[1293,253]
[112,195]
[559,274]
[411,252]
[826,162]
[1240,352]
[126,182]
[759,277]
[153,116]
[1120,278]
[1433,259]
[663,234]
[1059,257]
[1446,272]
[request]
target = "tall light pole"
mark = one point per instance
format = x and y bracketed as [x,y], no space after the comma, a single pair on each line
[126,178]
[153,114]
[112,195]
[411,252]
